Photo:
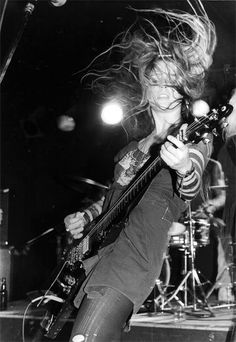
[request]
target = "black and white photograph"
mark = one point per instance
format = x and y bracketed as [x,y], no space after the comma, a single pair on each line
[118,171]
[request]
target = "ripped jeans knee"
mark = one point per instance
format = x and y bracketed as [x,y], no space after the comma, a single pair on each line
[82,338]
[78,338]
[101,316]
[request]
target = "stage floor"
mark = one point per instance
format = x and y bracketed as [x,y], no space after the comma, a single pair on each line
[18,321]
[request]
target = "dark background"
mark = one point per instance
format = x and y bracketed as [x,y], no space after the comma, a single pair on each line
[38,159]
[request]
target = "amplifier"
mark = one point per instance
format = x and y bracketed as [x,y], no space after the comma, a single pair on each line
[4,204]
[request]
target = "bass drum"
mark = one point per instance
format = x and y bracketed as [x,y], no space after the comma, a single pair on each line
[161,285]
[164,278]
[179,235]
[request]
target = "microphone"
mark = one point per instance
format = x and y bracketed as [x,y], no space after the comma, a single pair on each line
[57,3]
[30,6]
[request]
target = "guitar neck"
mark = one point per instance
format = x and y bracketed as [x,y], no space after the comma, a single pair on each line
[150,169]
[195,132]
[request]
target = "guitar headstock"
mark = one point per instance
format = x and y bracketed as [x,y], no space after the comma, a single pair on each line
[212,122]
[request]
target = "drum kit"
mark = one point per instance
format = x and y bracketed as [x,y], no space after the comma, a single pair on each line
[186,236]
[193,232]
[201,232]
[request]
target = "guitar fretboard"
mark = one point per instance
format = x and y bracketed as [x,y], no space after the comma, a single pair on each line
[194,132]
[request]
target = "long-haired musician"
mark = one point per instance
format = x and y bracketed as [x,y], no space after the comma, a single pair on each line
[160,71]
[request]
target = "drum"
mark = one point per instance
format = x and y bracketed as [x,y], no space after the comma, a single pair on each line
[202,231]
[179,233]
[201,228]
[179,236]
[179,241]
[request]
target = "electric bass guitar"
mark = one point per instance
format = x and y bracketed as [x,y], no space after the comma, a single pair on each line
[70,274]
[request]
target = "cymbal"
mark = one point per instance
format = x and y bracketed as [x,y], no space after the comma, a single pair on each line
[88,181]
[218,187]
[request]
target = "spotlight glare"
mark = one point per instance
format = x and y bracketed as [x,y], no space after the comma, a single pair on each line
[200,108]
[112,113]
[65,123]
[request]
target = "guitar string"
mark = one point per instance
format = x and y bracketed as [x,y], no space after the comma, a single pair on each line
[190,129]
[155,161]
[197,123]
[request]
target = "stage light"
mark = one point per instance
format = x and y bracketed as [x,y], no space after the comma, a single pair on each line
[66,123]
[112,113]
[200,108]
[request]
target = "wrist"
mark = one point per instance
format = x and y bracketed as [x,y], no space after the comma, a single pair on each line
[186,171]
[86,217]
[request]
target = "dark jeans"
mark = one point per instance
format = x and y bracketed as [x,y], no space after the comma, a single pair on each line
[131,266]
[102,316]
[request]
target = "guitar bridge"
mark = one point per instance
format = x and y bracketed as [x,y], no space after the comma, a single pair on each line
[47,322]
[65,288]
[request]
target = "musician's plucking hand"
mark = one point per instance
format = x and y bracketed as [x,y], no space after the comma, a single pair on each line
[75,223]
[176,155]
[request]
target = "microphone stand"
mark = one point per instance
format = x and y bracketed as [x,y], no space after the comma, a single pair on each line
[29,243]
[28,10]
[35,239]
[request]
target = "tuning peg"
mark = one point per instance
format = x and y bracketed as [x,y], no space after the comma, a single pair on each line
[215,133]
[206,140]
[225,124]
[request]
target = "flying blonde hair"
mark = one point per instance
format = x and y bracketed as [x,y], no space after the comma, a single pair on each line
[186,40]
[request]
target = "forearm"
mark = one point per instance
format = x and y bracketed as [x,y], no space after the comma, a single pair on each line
[189,185]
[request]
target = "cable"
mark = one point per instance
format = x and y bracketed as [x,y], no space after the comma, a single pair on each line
[3,13]
[48,297]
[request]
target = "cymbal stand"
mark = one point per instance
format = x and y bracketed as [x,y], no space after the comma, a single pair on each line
[230,286]
[192,274]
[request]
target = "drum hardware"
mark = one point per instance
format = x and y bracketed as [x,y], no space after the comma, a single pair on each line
[230,268]
[162,285]
[78,179]
[218,187]
[201,232]
[191,280]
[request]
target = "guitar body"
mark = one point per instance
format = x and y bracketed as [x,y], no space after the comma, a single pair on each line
[67,279]
[70,274]
[58,313]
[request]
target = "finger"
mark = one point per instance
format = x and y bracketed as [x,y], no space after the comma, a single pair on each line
[170,148]
[175,141]
[69,218]
[167,144]
[169,158]
[76,219]
[76,228]
[78,214]
[175,152]
[184,127]
[182,133]
[72,227]
[77,236]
